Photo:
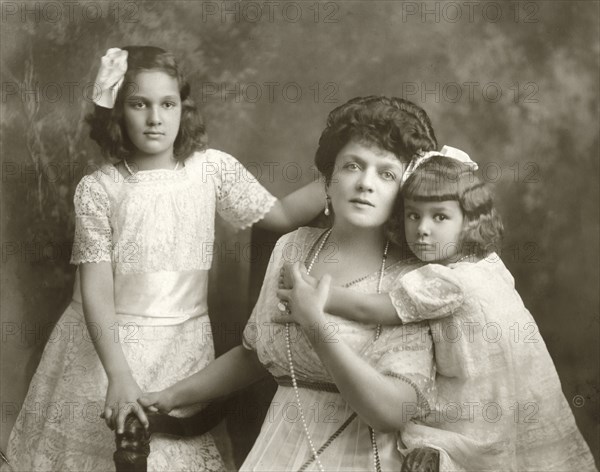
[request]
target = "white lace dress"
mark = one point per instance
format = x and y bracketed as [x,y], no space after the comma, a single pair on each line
[157,229]
[500,405]
[404,353]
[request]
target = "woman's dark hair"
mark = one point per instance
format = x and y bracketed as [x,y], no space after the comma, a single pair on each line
[108,127]
[441,179]
[393,124]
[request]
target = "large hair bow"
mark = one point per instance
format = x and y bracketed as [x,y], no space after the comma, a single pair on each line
[113,67]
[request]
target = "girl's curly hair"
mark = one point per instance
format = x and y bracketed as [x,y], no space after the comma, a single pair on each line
[441,179]
[107,126]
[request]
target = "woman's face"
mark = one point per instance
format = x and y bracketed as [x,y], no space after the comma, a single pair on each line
[152,113]
[364,185]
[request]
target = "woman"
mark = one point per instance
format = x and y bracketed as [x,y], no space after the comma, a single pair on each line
[337,378]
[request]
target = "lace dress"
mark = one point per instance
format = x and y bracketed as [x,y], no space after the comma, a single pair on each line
[500,404]
[157,229]
[405,354]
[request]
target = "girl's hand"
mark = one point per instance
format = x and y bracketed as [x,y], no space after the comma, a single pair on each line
[307,303]
[157,401]
[121,399]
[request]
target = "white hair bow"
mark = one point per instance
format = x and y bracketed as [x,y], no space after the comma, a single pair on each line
[113,67]
[447,151]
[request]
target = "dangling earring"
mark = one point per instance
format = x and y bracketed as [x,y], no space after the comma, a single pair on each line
[326,211]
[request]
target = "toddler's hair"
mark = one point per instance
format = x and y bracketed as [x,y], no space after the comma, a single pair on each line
[393,124]
[108,127]
[441,179]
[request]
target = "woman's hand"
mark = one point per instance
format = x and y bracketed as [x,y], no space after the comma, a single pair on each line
[121,399]
[157,401]
[286,281]
[285,277]
[306,302]
[425,459]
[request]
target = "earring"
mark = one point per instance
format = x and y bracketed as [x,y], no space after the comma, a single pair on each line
[326,211]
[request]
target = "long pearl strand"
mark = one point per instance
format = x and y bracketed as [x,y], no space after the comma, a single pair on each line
[313,449]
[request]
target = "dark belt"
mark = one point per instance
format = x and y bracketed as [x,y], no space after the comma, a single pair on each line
[286,381]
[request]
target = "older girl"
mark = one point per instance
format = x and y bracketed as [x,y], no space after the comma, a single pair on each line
[144,227]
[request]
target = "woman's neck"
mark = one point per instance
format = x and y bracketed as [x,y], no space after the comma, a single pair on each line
[357,252]
[358,239]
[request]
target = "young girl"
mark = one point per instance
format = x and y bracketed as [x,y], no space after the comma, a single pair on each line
[500,404]
[144,227]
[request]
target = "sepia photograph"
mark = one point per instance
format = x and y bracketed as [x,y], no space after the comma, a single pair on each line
[300,235]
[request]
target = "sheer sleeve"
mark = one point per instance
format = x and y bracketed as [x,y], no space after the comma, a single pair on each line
[93,234]
[430,292]
[285,250]
[241,199]
[406,353]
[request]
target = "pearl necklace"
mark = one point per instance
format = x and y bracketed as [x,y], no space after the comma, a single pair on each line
[131,172]
[313,449]
[463,258]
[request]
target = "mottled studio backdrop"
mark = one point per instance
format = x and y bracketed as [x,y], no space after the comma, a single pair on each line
[513,84]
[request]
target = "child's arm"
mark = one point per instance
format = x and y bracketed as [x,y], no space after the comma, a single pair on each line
[416,297]
[99,310]
[234,370]
[362,307]
[428,293]
[295,209]
[347,303]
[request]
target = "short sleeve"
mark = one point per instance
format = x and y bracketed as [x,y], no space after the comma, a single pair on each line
[250,334]
[286,249]
[406,353]
[255,324]
[241,199]
[93,234]
[430,292]
[251,331]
